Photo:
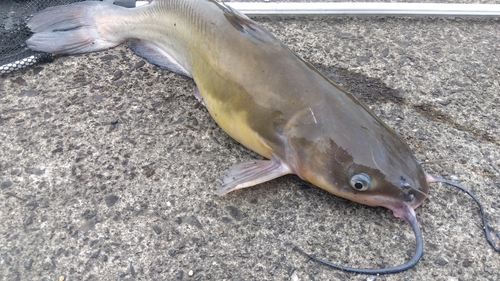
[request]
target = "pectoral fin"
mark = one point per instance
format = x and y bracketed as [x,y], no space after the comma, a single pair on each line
[251,173]
[157,56]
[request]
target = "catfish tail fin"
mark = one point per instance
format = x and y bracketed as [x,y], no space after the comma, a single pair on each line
[76,28]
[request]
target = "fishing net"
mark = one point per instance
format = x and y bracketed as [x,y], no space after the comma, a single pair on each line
[14,14]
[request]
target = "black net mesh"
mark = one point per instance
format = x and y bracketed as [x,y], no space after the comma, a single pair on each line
[14,54]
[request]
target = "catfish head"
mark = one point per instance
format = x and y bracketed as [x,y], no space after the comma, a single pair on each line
[345,149]
[342,147]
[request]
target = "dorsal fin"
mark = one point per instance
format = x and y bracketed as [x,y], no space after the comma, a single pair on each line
[244,24]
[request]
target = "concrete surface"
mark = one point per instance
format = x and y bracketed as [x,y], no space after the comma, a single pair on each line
[109,165]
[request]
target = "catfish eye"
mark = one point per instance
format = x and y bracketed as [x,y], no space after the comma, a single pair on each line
[361,182]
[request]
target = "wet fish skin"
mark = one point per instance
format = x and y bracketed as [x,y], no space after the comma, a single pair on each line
[260,93]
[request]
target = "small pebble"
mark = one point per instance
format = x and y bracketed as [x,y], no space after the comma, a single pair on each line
[28,264]
[6,184]
[272,269]
[190,273]
[441,261]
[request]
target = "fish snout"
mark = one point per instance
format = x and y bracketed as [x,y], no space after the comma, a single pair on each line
[413,192]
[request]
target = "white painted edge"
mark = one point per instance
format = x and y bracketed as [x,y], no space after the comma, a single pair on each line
[363,9]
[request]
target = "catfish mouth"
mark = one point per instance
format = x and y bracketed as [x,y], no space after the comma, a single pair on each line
[403,210]
[401,205]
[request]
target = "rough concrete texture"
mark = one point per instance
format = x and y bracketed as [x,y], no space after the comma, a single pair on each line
[109,165]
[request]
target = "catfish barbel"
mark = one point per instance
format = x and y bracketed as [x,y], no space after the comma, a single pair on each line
[261,94]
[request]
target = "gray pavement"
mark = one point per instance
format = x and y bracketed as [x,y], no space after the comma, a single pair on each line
[108,164]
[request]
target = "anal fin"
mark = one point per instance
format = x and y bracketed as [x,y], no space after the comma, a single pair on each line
[157,56]
[252,173]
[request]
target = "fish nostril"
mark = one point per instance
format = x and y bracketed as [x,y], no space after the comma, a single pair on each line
[409,197]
